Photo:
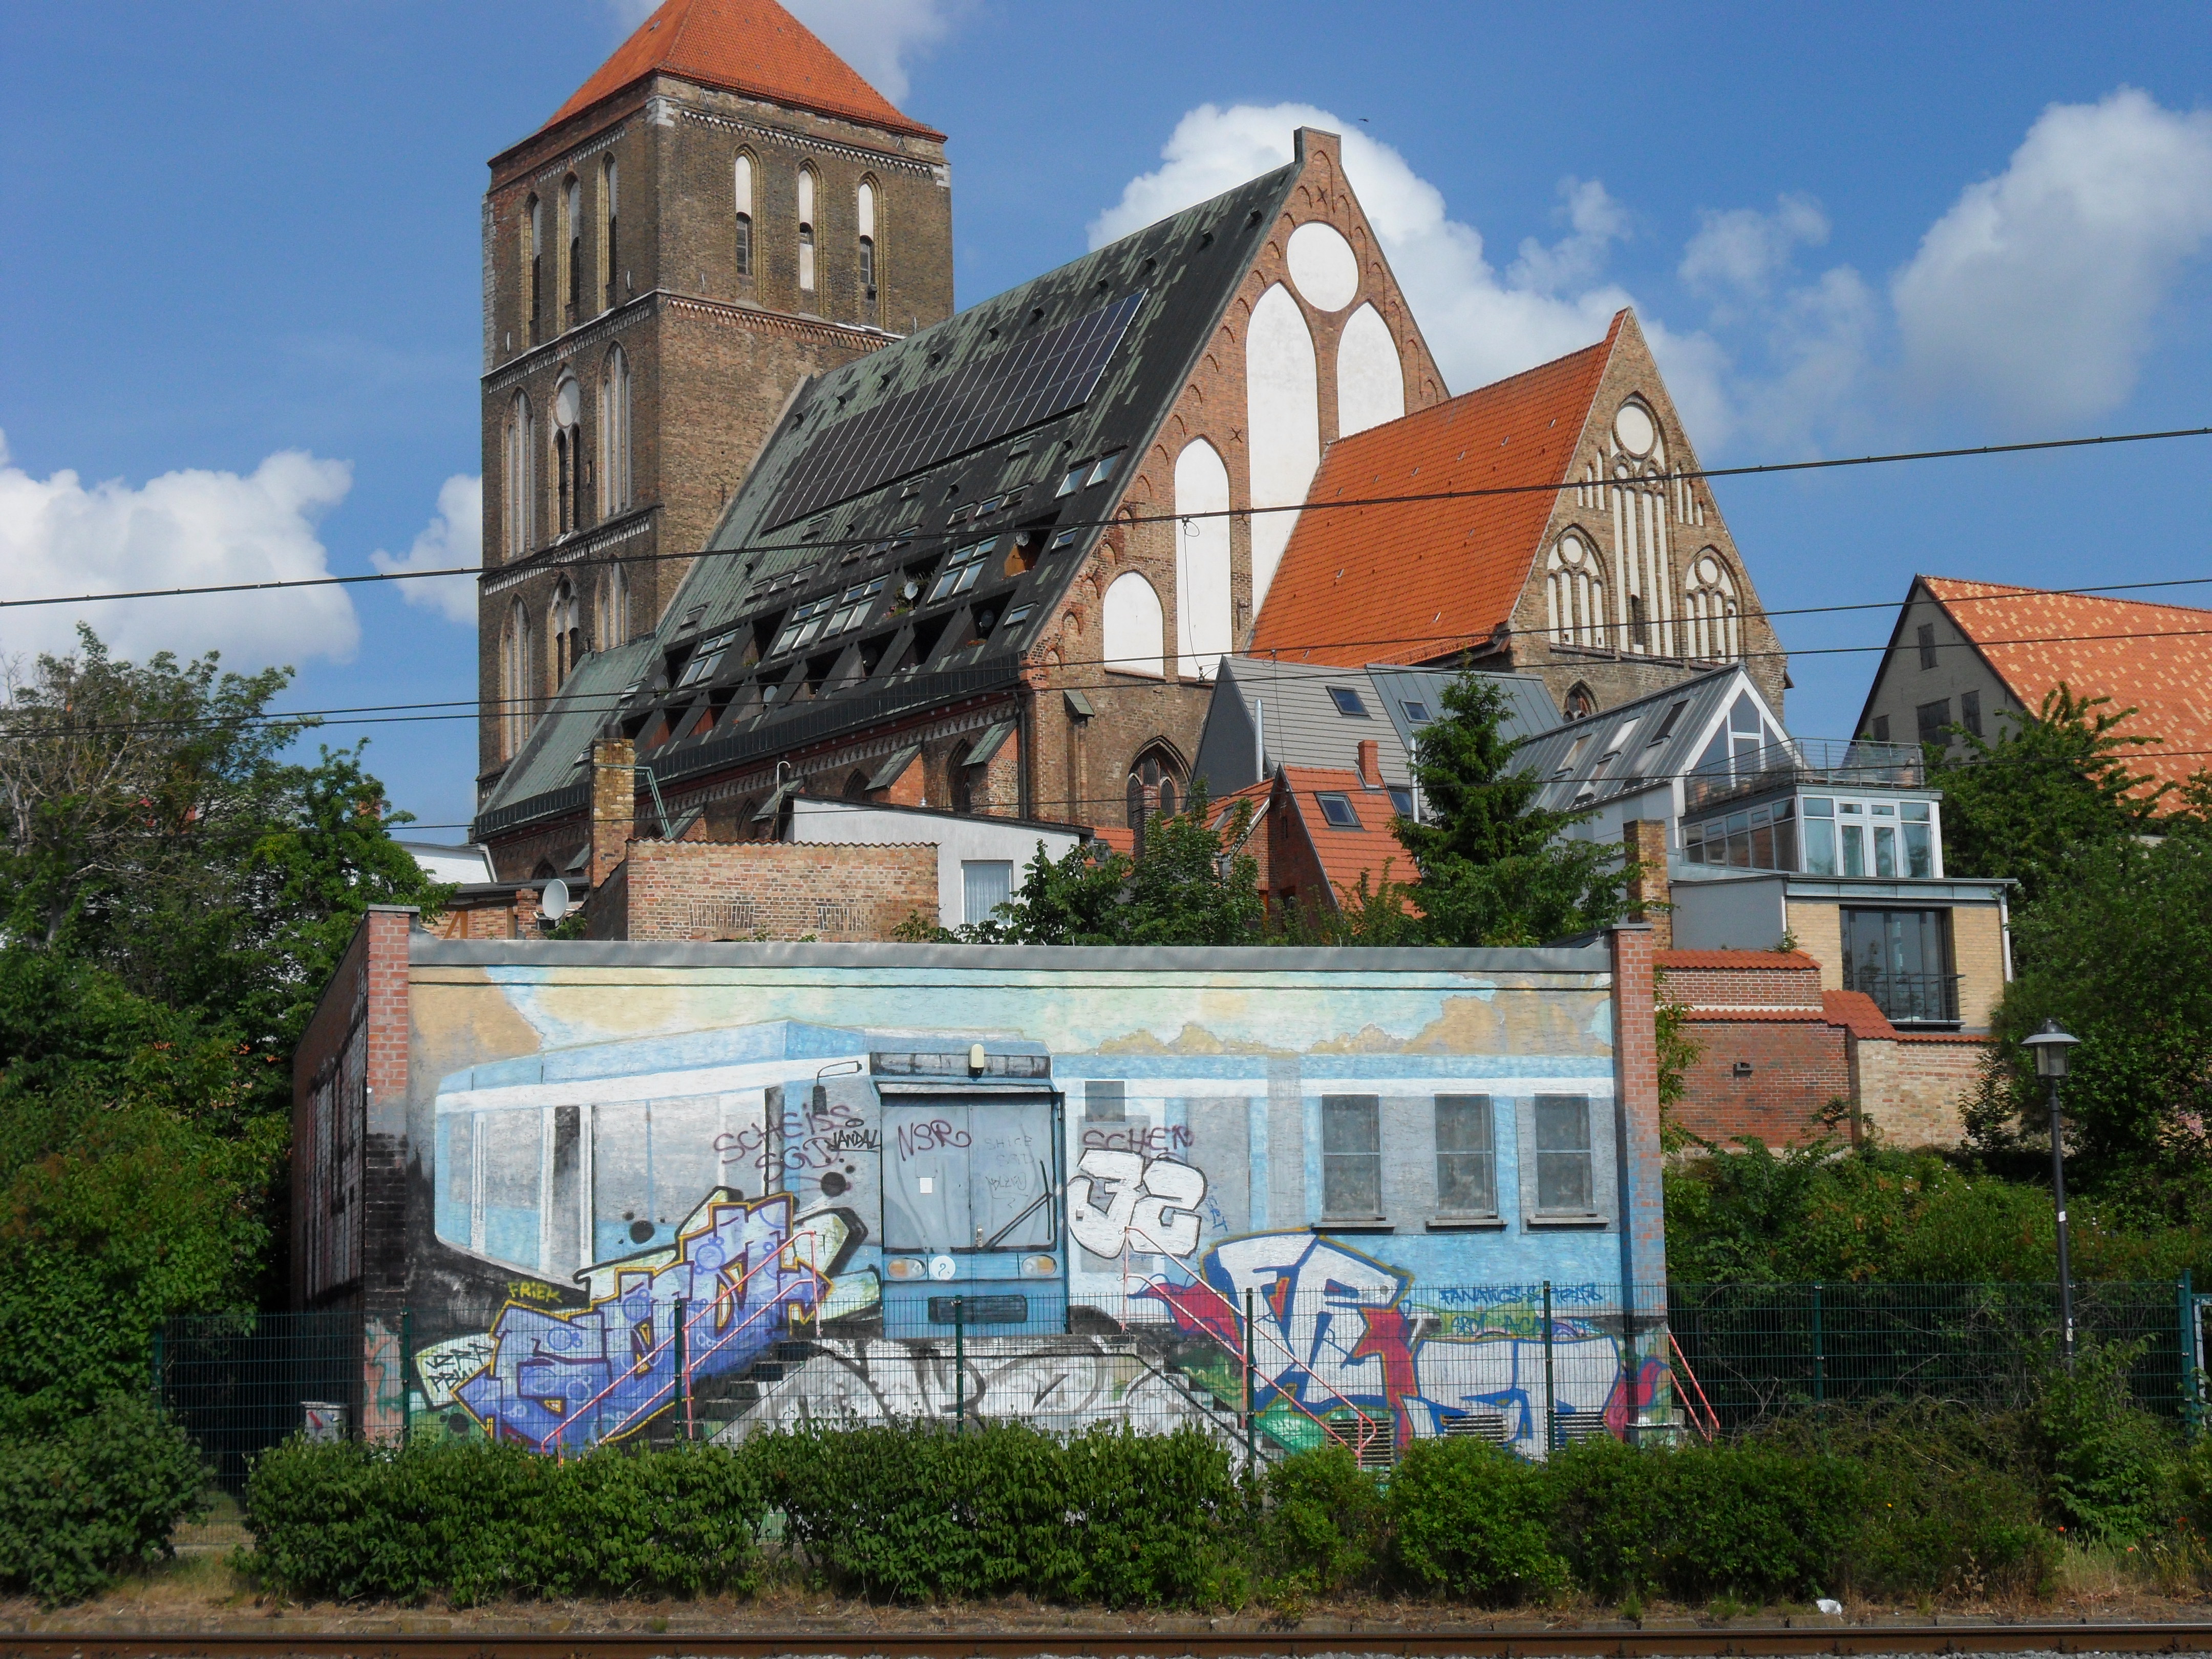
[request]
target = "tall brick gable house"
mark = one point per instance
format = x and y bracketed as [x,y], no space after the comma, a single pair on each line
[955,576]
[722,210]
[1595,565]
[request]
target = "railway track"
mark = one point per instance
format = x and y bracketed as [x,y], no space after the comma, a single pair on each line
[1608,1642]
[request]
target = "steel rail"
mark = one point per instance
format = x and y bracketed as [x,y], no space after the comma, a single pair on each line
[1488,1642]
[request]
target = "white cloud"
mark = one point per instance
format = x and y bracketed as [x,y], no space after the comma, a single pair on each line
[2036,294]
[184,529]
[1744,250]
[1481,326]
[453,537]
[878,37]
[1596,221]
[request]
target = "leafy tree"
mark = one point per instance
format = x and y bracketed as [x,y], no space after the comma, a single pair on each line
[1823,1212]
[153,826]
[1496,867]
[2119,951]
[1185,887]
[2054,782]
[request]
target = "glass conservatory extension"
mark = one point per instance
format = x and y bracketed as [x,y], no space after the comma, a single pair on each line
[1885,836]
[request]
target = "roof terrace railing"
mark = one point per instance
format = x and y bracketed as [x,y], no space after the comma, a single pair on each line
[1833,763]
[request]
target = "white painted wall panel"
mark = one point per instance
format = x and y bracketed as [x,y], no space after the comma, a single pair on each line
[1205,624]
[1135,626]
[1282,391]
[1370,381]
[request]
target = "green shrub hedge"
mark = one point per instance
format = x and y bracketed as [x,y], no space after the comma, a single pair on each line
[473,1520]
[101,1496]
[1912,1500]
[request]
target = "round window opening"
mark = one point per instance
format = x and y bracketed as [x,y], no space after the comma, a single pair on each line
[1635,429]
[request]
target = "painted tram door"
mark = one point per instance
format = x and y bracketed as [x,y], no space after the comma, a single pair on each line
[972,1179]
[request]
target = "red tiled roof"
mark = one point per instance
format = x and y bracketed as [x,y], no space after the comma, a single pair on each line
[1858,1013]
[1689,959]
[1121,839]
[2156,659]
[752,46]
[1432,576]
[1345,854]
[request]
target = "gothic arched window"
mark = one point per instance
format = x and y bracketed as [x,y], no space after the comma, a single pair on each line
[1154,787]
[1710,610]
[806,229]
[564,630]
[610,241]
[865,208]
[533,250]
[610,609]
[572,209]
[1581,703]
[744,184]
[515,692]
[518,508]
[567,453]
[615,496]
[1574,593]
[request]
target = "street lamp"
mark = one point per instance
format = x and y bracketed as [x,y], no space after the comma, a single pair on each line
[2051,1047]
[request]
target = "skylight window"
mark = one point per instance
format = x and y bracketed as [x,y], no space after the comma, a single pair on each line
[1065,538]
[1073,480]
[1348,702]
[1667,727]
[803,624]
[1401,801]
[1015,617]
[852,607]
[1104,470]
[1337,811]
[707,658]
[1416,713]
[961,515]
[990,507]
[961,570]
[1573,756]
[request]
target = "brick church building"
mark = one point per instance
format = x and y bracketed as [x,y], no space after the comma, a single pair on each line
[760,506]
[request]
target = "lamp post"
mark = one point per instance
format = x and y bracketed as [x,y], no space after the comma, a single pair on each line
[2051,1047]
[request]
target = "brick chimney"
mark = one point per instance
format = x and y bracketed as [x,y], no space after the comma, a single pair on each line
[1370,763]
[614,804]
[1645,847]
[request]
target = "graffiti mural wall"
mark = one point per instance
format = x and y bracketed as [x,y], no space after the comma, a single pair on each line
[639,1175]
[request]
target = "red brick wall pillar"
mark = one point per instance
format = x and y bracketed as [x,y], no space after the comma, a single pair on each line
[1645,848]
[1636,1079]
[614,804]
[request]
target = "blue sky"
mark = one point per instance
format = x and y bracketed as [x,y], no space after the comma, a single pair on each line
[242,268]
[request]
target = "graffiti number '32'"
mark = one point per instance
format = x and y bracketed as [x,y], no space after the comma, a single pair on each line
[1117,1200]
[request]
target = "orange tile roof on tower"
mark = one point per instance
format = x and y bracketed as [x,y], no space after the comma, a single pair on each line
[2156,659]
[1431,577]
[752,46]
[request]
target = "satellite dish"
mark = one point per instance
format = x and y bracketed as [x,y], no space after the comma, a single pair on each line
[553,902]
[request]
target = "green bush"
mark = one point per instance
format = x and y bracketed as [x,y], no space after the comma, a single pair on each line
[1470,1522]
[1323,1528]
[101,1496]
[2109,1465]
[1744,1519]
[473,1520]
[911,1511]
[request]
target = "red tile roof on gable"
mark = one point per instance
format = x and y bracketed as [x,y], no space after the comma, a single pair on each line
[752,46]
[1432,576]
[1858,1013]
[2156,659]
[1345,854]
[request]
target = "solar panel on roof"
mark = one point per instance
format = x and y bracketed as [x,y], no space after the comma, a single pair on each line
[978,403]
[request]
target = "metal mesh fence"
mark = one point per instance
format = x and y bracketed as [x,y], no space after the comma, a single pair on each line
[242,1382]
[1265,1370]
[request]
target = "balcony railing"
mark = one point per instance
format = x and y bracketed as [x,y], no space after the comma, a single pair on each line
[1910,998]
[1827,762]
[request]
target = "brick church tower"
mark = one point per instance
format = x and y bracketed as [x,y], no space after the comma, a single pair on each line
[723,210]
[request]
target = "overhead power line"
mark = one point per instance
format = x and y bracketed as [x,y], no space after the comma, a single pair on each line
[1548,487]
